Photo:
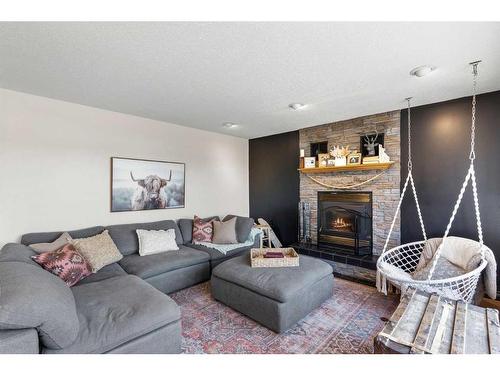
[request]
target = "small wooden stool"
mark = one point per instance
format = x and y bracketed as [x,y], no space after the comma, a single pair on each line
[428,323]
[266,235]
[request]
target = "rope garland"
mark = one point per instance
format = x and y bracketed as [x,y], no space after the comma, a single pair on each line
[345,187]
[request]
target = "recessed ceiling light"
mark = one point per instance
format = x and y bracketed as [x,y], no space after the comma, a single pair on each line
[296,106]
[230,125]
[421,71]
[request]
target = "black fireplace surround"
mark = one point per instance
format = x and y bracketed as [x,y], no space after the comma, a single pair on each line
[345,221]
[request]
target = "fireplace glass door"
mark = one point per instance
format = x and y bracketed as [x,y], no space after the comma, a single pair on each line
[345,221]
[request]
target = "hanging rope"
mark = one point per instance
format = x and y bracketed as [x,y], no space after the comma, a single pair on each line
[381,281]
[471,175]
[344,187]
[409,179]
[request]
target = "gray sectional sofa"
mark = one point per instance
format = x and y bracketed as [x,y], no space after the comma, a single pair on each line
[123,308]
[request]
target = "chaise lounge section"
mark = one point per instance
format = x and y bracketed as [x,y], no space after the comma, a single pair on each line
[123,308]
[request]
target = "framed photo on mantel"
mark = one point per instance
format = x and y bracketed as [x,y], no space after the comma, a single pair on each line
[138,184]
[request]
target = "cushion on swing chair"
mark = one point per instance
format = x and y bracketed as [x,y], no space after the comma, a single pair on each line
[458,257]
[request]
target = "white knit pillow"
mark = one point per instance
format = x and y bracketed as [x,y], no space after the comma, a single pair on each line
[156,241]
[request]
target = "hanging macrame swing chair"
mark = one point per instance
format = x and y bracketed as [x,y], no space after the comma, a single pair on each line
[397,265]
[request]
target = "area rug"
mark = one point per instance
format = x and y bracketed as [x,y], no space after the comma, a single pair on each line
[345,323]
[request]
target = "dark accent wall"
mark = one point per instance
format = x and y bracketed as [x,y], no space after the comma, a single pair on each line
[440,148]
[274,182]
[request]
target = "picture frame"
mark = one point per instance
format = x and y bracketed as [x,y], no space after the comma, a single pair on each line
[318,148]
[143,184]
[323,160]
[331,162]
[309,162]
[354,158]
[368,143]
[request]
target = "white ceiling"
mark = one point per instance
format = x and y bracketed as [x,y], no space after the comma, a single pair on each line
[204,74]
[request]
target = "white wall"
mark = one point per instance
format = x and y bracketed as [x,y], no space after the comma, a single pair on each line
[55,165]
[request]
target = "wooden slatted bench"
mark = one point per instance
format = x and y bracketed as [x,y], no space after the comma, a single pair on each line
[424,323]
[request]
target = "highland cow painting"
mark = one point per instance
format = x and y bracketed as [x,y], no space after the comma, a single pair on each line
[138,184]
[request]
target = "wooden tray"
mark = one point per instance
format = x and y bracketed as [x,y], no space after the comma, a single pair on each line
[291,258]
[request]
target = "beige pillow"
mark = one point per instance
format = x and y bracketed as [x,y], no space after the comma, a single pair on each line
[99,250]
[46,247]
[225,232]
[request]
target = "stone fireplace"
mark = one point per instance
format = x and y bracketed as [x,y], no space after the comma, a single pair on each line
[345,221]
[384,190]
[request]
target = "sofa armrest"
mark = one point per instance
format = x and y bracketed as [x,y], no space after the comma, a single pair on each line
[19,341]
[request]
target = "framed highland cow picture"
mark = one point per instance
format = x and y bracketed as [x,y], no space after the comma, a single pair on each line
[138,184]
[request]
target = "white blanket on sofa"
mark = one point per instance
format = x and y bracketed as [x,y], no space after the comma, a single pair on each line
[224,249]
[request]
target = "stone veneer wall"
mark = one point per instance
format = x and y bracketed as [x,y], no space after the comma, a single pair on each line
[385,189]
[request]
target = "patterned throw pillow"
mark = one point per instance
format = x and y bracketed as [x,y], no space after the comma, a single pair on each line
[66,262]
[99,250]
[202,230]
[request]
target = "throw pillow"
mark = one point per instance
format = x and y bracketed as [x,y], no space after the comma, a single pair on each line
[225,232]
[156,241]
[202,230]
[99,250]
[65,263]
[45,247]
[243,226]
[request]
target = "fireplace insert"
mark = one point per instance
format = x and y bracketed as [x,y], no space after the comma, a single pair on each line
[345,221]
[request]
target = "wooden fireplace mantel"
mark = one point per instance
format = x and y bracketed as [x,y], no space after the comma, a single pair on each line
[348,168]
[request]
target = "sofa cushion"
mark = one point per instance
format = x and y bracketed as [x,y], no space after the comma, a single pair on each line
[280,284]
[243,226]
[106,272]
[152,265]
[98,250]
[16,252]
[225,232]
[29,238]
[46,247]
[186,227]
[31,297]
[118,310]
[125,237]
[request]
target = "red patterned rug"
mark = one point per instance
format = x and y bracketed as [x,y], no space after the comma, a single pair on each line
[346,323]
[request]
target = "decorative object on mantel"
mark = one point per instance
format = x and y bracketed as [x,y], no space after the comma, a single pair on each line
[304,222]
[301,159]
[319,148]
[382,155]
[309,162]
[323,160]
[284,257]
[398,265]
[369,143]
[354,158]
[339,153]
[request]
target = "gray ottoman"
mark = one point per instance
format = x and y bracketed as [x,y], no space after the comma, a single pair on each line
[275,297]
